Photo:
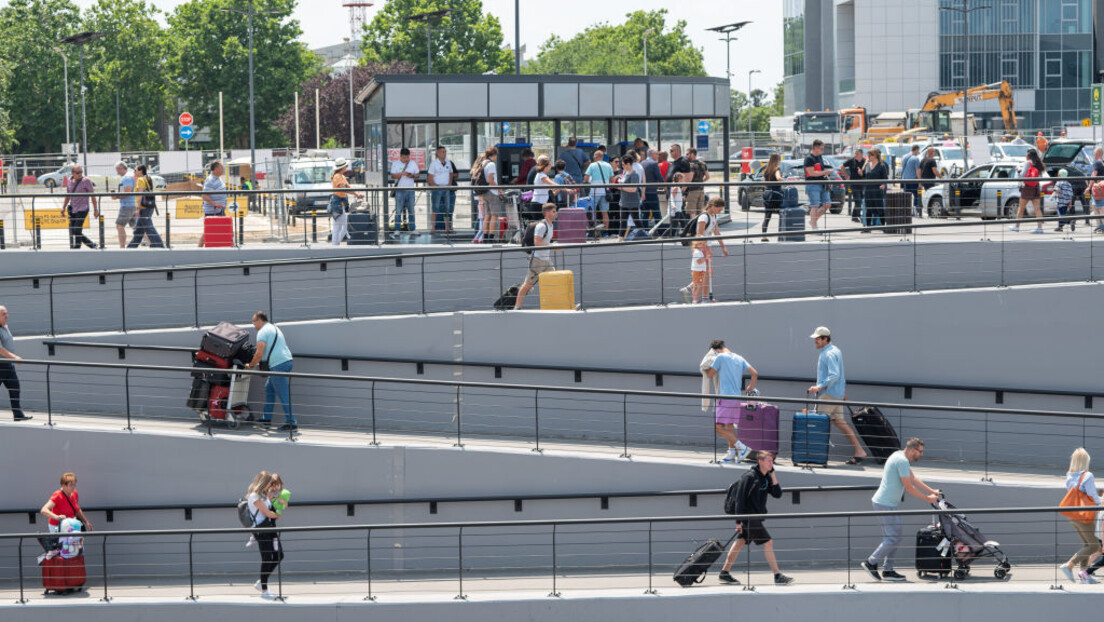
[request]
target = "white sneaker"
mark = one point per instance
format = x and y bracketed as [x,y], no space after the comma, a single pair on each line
[257,586]
[1039,230]
[1014,228]
[250,542]
[267,595]
[731,455]
[744,451]
[1086,577]
[685,291]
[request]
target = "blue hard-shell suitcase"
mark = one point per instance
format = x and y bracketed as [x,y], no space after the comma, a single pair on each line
[793,219]
[789,197]
[809,443]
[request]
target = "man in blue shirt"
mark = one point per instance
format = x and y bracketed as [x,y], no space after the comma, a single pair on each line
[127,213]
[730,368]
[272,349]
[574,158]
[832,385]
[897,479]
[910,169]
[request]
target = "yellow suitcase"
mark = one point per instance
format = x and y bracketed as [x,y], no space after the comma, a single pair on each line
[557,290]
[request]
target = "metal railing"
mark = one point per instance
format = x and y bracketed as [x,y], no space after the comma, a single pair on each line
[612,421]
[545,557]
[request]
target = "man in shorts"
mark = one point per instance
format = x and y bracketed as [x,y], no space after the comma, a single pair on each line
[730,368]
[541,260]
[831,384]
[751,498]
[128,214]
[816,169]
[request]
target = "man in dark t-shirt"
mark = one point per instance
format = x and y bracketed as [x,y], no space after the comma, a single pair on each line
[679,169]
[929,167]
[816,169]
[853,170]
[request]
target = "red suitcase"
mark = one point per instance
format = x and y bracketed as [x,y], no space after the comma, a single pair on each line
[758,426]
[218,231]
[62,575]
[217,401]
[212,359]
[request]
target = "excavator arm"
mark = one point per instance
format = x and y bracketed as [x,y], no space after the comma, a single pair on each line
[998,90]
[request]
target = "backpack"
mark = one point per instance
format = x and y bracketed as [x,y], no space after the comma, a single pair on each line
[529,237]
[691,229]
[730,498]
[1098,191]
[245,517]
[480,182]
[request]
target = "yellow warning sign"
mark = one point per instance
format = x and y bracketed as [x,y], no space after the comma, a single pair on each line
[191,209]
[49,219]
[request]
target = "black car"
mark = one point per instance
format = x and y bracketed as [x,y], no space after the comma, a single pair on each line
[792,170]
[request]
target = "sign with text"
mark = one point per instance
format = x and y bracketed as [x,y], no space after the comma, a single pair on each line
[1097,104]
[186,119]
[192,209]
[49,219]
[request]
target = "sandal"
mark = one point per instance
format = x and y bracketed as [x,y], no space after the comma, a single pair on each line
[854,460]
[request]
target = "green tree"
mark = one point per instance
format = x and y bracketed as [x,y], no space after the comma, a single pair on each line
[467,40]
[606,49]
[7,132]
[761,109]
[130,60]
[35,93]
[209,53]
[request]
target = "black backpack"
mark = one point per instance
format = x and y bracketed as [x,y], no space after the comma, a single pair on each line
[730,498]
[245,516]
[691,230]
[480,183]
[529,238]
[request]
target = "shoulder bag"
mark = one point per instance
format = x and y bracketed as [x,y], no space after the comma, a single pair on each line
[263,366]
[1075,497]
[148,201]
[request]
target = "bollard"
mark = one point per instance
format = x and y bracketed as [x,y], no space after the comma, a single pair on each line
[1000,206]
[241,228]
[168,229]
[314,226]
[38,235]
[101,218]
[3,244]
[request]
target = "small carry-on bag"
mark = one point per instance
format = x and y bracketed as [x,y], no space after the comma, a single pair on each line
[758,426]
[694,568]
[792,219]
[809,441]
[63,576]
[201,391]
[225,340]
[508,299]
[928,558]
[876,431]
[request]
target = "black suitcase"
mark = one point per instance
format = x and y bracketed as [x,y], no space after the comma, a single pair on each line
[208,372]
[508,299]
[695,567]
[225,340]
[928,559]
[201,390]
[363,229]
[898,212]
[792,219]
[876,431]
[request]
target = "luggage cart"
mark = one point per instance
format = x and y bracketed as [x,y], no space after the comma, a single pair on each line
[228,401]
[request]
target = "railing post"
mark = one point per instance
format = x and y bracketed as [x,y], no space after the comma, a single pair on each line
[126,383]
[423,284]
[829,264]
[915,283]
[241,225]
[849,585]
[53,330]
[375,441]
[460,564]
[368,548]
[191,570]
[662,285]
[459,440]
[279,570]
[168,226]
[1056,585]
[536,419]
[49,400]
[122,299]
[651,588]
[3,242]
[37,234]
[625,425]
[554,593]
[22,596]
[195,296]
[986,478]
[581,271]
[346,289]
[501,285]
[103,551]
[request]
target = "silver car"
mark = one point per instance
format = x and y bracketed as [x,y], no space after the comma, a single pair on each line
[983,192]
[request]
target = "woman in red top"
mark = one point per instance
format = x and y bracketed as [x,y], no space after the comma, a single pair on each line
[1029,191]
[65,503]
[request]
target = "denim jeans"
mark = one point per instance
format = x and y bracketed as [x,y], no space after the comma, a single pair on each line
[891,538]
[818,195]
[278,386]
[143,227]
[404,202]
[439,201]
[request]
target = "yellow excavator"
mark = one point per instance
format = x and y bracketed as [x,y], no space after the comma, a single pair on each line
[998,90]
[934,116]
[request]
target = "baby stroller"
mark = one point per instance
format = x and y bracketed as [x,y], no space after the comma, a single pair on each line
[962,542]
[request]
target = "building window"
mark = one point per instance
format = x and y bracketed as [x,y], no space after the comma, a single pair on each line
[958,72]
[1010,68]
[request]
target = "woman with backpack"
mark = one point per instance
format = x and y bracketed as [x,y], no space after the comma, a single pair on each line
[477,196]
[1029,191]
[264,488]
[772,194]
[147,207]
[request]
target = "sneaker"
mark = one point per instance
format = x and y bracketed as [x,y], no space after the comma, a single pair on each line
[727,578]
[1059,230]
[744,451]
[1066,571]
[257,586]
[1038,230]
[264,423]
[892,575]
[289,427]
[872,569]
[1087,578]
[24,418]
[267,595]
[685,291]
[1015,228]
[781,579]
[730,456]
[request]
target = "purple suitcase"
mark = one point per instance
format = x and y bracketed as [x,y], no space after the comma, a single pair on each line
[571,225]
[758,427]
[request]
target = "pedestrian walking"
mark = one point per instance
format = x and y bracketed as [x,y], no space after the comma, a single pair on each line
[65,503]
[910,169]
[574,158]
[8,377]
[147,207]
[273,354]
[259,498]
[214,194]
[76,207]
[751,498]
[730,368]
[772,193]
[699,173]
[495,205]
[630,194]
[699,270]
[541,259]
[127,210]
[339,202]
[404,171]
[831,385]
[479,194]
[1081,491]
[1064,198]
[1029,192]
[707,226]
[651,209]
[929,169]
[898,477]
[816,169]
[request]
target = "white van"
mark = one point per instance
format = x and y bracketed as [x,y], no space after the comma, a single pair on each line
[305,174]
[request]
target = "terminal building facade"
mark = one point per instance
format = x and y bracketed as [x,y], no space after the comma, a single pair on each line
[888,56]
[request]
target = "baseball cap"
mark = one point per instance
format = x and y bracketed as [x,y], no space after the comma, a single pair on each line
[821,331]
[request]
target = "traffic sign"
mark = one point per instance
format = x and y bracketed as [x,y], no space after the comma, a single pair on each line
[187,132]
[185,119]
[1097,103]
[703,127]
[505,127]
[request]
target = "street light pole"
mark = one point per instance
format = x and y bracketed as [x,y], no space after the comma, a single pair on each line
[351,64]
[80,40]
[646,33]
[429,17]
[750,134]
[65,69]
[727,31]
[517,38]
[965,11]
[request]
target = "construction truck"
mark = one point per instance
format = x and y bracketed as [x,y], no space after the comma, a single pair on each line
[837,129]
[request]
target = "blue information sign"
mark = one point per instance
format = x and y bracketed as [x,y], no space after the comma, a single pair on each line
[505,127]
[187,132]
[703,127]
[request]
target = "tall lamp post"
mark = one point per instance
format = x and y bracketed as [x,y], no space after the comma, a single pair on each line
[80,40]
[350,65]
[65,69]
[727,31]
[750,134]
[429,18]
[646,33]
[517,37]
[252,126]
[965,11]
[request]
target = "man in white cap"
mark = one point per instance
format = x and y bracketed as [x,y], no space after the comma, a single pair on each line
[831,384]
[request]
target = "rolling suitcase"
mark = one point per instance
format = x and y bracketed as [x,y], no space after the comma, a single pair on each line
[62,576]
[557,290]
[792,219]
[211,359]
[928,558]
[809,442]
[876,431]
[898,212]
[508,298]
[225,340]
[201,391]
[363,229]
[758,426]
[218,231]
[694,568]
[571,225]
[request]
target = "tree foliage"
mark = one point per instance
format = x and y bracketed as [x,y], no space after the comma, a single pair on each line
[35,93]
[618,49]
[464,41]
[209,53]
[333,105]
[761,109]
[7,132]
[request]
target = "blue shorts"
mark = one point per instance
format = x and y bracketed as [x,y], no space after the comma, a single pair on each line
[599,202]
[1098,204]
[818,195]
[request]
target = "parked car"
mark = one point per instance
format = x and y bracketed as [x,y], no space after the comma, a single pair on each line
[307,174]
[978,192]
[791,170]
[1009,151]
[56,178]
[950,156]
[1077,153]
